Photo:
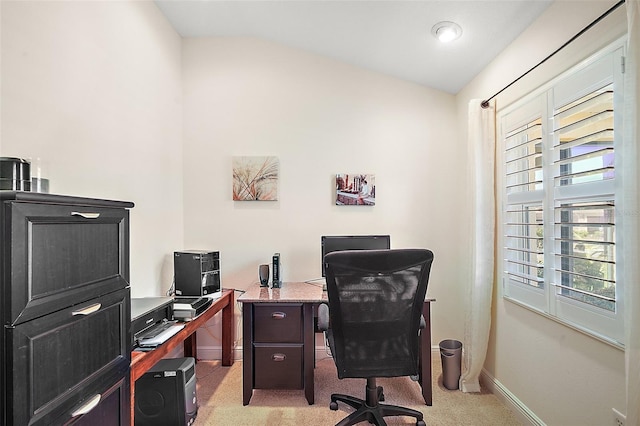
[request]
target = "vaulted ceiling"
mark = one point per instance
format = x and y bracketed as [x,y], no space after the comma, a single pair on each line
[392,37]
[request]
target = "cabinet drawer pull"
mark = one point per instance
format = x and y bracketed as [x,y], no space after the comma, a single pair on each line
[86,215]
[88,406]
[278,315]
[88,310]
[278,357]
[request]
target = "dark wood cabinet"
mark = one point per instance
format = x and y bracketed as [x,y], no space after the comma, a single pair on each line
[278,346]
[65,308]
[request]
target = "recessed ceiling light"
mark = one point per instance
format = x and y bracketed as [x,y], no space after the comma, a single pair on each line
[446,31]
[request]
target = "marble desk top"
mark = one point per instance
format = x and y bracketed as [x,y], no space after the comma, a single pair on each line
[290,292]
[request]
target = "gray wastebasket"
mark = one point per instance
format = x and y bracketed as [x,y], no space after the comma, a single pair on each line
[451,355]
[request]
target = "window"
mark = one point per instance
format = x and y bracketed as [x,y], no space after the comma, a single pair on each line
[559,190]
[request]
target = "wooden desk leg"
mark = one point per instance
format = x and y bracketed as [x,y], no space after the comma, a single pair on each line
[425,356]
[308,353]
[133,402]
[191,346]
[228,331]
[247,352]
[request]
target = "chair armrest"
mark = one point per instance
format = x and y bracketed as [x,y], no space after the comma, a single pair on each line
[323,317]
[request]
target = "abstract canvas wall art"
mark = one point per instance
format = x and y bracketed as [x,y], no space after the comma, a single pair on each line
[355,189]
[255,178]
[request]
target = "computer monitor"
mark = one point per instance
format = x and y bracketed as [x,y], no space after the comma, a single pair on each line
[353,242]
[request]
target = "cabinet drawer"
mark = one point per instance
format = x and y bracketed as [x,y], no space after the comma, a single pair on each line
[278,366]
[114,407]
[277,323]
[62,255]
[106,404]
[65,357]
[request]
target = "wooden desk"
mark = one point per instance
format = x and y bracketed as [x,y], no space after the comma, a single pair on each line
[278,339]
[143,361]
[296,302]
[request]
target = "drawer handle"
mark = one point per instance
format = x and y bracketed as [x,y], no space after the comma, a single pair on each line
[278,357]
[88,310]
[278,315]
[90,405]
[86,215]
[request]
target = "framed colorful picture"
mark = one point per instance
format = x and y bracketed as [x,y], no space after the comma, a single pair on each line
[355,189]
[255,178]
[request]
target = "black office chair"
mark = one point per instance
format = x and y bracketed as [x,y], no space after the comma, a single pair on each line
[373,323]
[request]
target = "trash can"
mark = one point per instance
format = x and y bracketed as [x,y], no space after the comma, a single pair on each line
[451,355]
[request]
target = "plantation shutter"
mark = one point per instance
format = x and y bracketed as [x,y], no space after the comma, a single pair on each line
[558,182]
[523,180]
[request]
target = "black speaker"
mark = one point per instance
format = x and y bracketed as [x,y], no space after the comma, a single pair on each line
[166,394]
[263,273]
[196,273]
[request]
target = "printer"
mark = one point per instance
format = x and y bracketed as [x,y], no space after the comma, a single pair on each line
[148,315]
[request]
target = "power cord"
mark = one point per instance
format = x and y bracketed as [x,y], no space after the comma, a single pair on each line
[171,290]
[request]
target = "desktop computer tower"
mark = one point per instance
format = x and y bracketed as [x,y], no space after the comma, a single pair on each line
[196,273]
[166,394]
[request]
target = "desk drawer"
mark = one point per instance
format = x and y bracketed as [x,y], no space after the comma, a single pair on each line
[278,366]
[278,323]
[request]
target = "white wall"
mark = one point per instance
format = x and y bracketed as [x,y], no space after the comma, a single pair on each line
[245,96]
[563,377]
[94,88]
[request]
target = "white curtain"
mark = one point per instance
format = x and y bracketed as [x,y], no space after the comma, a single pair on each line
[630,273]
[481,153]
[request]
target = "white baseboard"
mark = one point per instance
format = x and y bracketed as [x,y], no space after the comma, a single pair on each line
[214,353]
[510,400]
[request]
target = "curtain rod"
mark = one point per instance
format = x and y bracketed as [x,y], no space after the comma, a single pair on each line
[485,103]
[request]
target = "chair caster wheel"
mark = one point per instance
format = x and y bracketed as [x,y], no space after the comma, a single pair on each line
[333,406]
[421,423]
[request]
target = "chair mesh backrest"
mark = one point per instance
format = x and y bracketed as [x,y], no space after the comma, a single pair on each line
[375,302]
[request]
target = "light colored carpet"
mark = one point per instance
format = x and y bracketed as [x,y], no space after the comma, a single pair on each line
[220,400]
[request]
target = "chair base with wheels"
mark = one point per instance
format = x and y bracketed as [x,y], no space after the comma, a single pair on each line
[370,409]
